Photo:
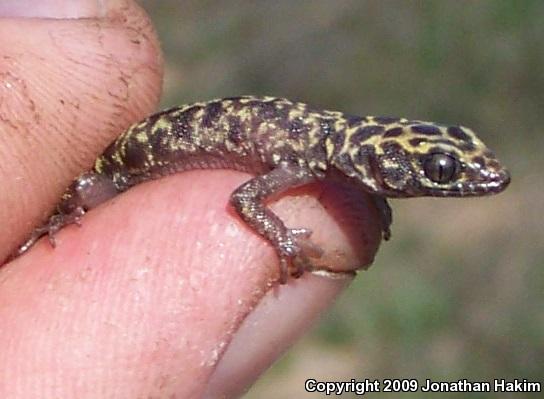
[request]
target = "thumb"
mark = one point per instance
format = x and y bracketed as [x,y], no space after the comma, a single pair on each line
[73,77]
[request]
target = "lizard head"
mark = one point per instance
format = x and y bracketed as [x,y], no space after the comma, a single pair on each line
[415,158]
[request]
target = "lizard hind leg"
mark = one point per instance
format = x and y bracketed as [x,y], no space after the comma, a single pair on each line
[58,221]
[293,246]
[86,192]
[55,223]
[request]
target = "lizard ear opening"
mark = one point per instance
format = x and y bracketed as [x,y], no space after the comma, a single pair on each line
[394,171]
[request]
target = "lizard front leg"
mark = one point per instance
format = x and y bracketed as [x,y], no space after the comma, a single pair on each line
[292,245]
[386,216]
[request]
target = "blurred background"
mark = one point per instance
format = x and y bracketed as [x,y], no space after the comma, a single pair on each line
[459,290]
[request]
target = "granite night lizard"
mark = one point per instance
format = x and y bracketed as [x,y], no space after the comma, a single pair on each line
[286,144]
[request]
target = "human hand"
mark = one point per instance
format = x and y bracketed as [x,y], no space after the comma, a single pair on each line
[163,291]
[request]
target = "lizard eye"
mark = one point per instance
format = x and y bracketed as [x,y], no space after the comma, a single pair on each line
[440,168]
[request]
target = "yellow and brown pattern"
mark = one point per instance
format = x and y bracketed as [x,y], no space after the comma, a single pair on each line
[287,144]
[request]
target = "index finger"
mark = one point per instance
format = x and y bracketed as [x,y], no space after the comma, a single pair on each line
[157,285]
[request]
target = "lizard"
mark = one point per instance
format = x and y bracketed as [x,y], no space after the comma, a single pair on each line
[286,144]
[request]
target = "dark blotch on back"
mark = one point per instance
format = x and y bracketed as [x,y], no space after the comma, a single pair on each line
[365,132]
[458,133]
[428,130]
[235,132]
[385,119]
[156,140]
[296,128]
[135,154]
[353,120]
[211,113]
[181,128]
[265,109]
[394,132]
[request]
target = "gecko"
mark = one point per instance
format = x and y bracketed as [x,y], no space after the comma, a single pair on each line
[286,144]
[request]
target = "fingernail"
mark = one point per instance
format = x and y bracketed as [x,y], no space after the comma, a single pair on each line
[58,9]
[269,330]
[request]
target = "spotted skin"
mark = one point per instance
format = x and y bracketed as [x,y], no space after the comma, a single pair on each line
[287,144]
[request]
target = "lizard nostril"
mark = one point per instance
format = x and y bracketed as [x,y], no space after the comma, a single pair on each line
[504,178]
